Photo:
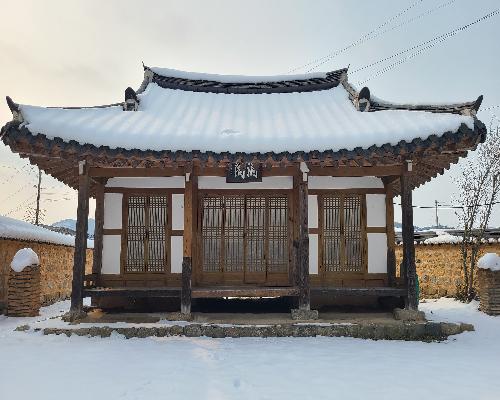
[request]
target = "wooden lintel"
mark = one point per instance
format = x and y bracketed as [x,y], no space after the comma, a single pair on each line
[219,292]
[363,291]
[109,172]
[380,170]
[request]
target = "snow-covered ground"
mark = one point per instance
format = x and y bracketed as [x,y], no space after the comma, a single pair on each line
[57,367]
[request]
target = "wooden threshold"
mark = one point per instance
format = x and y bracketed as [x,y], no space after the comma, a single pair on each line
[234,291]
[136,292]
[363,291]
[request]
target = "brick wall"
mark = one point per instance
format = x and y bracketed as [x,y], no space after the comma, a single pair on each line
[439,267]
[56,268]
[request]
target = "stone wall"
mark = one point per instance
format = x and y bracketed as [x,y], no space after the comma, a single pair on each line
[439,267]
[56,268]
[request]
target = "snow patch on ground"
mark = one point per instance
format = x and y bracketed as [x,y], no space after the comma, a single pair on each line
[24,258]
[443,238]
[464,367]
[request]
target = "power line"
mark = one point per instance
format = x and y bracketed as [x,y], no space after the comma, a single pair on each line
[406,22]
[421,47]
[356,42]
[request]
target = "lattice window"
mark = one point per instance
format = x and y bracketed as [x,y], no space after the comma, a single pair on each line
[278,240]
[343,233]
[146,235]
[245,233]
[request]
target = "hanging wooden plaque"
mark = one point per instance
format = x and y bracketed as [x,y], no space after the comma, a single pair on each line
[243,172]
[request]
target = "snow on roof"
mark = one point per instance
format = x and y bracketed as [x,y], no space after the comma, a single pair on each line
[11,228]
[489,261]
[169,119]
[175,73]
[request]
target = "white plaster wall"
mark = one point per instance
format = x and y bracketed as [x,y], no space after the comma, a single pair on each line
[312,211]
[176,253]
[167,182]
[375,210]
[313,254]
[333,182]
[377,253]
[111,250]
[113,210]
[178,211]
[270,182]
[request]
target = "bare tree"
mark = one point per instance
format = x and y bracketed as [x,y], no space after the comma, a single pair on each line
[479,188]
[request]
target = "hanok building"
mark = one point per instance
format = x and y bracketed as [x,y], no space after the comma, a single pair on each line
[236,186]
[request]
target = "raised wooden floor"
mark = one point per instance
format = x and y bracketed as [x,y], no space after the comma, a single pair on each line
[238,291]
[226,291]
[361,291]
[138,292]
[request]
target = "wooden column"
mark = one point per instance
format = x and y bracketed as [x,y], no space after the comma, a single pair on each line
[190,192]
[391,255]
[98,232]
[303,245]
[408,267]
[80,256]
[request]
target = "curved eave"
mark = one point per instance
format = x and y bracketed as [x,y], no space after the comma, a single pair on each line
[58,158]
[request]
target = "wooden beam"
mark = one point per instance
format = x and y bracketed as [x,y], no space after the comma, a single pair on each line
[110,172]
[303,245]
[99,229]
[80,255]
[361,291]
[134,292]
[408,270]
[379,170]
[219,292]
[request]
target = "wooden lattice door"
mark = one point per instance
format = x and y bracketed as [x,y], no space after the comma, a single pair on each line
[342,234]
[244,238]
[146,233]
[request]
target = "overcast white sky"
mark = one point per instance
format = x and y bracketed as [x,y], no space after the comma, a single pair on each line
[87,52]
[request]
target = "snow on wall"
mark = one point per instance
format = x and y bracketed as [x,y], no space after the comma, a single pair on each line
[178,211]
[113,210]
[313,254]
[11,228]
[174,120]
[375,210]
[24,258]
[270,182]
[377,253]
[111,251]
[332,182]
[443,238]
[489,261]
[176,254]
[172,182]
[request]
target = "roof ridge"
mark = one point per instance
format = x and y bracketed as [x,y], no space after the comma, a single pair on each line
[240,84]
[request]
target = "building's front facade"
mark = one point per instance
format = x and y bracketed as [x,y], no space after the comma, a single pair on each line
[222,186]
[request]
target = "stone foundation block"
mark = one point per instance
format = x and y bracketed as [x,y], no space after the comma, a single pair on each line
[408,315]
[304,315]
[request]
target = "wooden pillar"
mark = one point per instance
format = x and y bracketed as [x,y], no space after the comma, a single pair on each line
[98,232]
[408,267]
[303,243]
[80,255]
[391,239]
[190,192]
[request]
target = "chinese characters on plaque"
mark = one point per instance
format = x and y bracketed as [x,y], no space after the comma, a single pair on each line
[242,172]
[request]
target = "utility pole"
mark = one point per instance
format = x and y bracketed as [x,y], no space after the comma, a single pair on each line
[37,213]
[437,217]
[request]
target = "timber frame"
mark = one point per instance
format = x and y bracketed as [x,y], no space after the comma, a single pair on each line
[401,166]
